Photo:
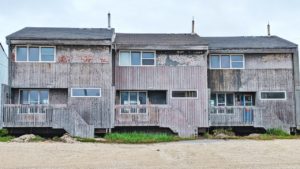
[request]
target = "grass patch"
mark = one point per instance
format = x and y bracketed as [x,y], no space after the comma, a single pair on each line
[277,132]
[139,137]
[6,138]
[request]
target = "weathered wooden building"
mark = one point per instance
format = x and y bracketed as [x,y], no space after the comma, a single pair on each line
[87,80]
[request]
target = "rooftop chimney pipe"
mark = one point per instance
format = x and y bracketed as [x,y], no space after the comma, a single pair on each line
[108,20]
[193,26]
[269,29]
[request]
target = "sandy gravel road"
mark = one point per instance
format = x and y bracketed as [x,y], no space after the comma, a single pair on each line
[208,154]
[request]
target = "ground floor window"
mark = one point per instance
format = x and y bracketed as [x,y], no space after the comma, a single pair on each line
[273,95]
[133,98]
[226,101]
[86,92]
[184,94]
[34,96]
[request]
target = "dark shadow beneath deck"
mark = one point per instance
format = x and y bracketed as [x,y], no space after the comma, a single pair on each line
[240,131]
[43,132]
[147,129]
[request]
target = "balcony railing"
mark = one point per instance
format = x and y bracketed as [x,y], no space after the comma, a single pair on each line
[16,115]
[236,116]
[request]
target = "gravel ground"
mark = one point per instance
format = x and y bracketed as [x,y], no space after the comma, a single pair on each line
[208,154]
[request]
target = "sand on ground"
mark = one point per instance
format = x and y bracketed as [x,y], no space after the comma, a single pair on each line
[208,154]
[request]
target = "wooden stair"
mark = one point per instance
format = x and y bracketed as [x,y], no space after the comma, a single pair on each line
[72,123]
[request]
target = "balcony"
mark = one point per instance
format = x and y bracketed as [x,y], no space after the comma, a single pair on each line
[236,116]
[16,115]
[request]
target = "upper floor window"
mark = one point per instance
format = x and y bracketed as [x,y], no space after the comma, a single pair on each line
[35,54]
[86,92]
[136,58]
[273,95]
[227,61]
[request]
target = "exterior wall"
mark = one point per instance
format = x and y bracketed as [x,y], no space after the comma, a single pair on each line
[75,67]
[175,70]
[3,79]
[263,72]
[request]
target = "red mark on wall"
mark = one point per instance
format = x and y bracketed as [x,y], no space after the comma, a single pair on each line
[104,60]
[13,56]
[87,59]
[63,59]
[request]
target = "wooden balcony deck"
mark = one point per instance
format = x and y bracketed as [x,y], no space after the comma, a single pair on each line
[16,115]
[236,116]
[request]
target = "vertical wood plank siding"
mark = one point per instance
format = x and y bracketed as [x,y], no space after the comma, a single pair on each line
[75,67]
[277,113]
[192,111]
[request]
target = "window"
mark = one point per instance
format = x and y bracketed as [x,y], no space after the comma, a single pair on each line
[35,54]
[86,92]
[134,98]
[47,54]
[184,94]
[136,58]
[34,96]
[22,53]
[278,95]
[226,61]
[157,97]
[225,100]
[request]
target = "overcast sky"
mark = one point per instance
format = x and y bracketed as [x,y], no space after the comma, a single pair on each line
[213,17]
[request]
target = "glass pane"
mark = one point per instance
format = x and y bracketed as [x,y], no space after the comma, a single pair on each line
[33,54]
[24,94]
[184,94]
[237,58]
[44,97]
[133,98]
[34,97]
[124,59]
[47,54]
[237,64]
[135,58]
[124,98]
[157,97]
[148,55]
[229,99]
[221,99]
[86,92]
[214,61]
[21,53]
[142,97]
[225,61]
[273,95]
[148,61]
[92,92]
[213,100]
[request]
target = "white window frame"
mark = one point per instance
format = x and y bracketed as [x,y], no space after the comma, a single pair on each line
[285,97]
[185,90]
[100,92]
[220,60]
[40,53]
[141,62]
[38,96]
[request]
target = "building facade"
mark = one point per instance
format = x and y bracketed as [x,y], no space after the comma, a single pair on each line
[93,80]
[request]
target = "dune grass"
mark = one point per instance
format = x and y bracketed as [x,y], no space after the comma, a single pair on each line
[139,137]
